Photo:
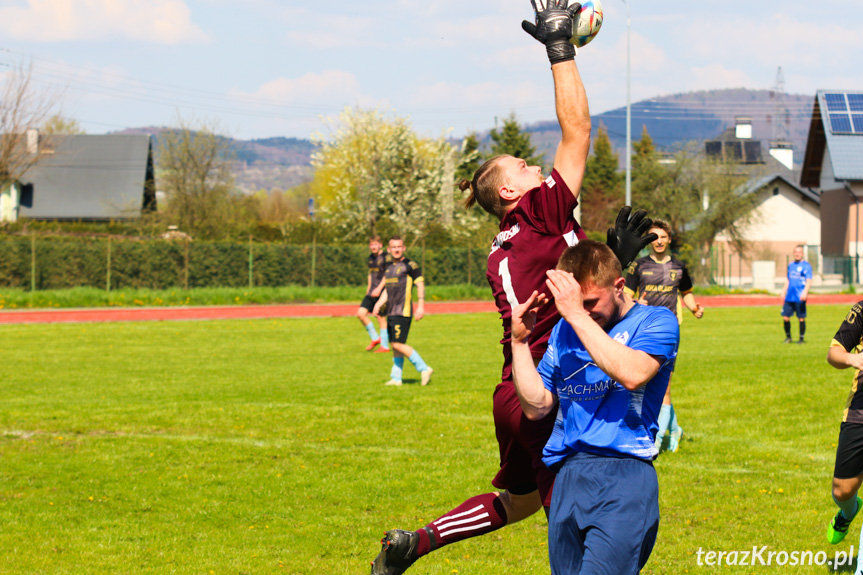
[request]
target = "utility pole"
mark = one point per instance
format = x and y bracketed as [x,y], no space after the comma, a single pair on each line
[628,115]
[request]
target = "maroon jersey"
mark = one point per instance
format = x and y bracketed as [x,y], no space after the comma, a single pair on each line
[532,237]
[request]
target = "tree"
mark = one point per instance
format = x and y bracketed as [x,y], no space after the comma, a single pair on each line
[471,159]
[194,172]
[512,141]
[375,175]
[730,206]
[22,110]
[699,198]
[669,192]
[57,124]
[602,192]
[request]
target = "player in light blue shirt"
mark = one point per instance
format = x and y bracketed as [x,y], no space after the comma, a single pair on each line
[607,365]
[795,293]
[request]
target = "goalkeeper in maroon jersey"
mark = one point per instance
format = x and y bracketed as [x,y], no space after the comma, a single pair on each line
[536,225]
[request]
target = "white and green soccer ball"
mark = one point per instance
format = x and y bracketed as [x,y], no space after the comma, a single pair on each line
[588,23]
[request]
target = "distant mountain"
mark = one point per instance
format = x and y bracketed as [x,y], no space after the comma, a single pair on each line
[265,163]
[672,121]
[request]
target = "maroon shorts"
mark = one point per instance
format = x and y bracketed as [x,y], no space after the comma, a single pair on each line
[521,441]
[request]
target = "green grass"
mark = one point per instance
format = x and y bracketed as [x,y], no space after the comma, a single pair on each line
[82,297]
[271,446]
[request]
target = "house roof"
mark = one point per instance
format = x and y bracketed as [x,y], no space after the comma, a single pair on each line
[754,186]
[761,183]
[846,149]
[90,177]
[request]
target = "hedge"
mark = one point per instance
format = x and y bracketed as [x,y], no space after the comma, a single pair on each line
[48,262]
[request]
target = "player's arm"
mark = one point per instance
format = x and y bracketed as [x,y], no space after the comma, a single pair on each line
[570,101]
[805,294]
[691,305]
[381,302]
[553,27]
[631,368]
[416,275]
[785,288]
[840,358]
[841,354]
[536,401]
[421,298]
[380,287]
[685,286]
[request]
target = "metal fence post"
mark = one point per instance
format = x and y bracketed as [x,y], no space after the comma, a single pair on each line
[251,264]
[469,265]
[108,280]
[314,254]
[186,264]
[32,262]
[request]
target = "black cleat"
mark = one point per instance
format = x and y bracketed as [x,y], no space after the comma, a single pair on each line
[787,340]
[801,340]
[398,552]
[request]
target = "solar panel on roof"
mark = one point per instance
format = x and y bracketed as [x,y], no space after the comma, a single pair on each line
[857,120]
[840,123]
[835,102]
[855,102]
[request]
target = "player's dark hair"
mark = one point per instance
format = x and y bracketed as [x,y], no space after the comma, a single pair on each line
[662,225]
[487,180]
[591,262]
[399,238]
[375,239]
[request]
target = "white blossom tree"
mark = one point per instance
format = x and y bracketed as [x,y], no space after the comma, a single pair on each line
[371,167]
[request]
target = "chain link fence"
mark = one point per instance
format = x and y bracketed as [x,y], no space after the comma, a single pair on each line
[49,262]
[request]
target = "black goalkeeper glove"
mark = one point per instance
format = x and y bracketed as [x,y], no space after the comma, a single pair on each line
[554,24]
[627,237]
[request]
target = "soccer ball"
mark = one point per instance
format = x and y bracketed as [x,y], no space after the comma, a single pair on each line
[588,23]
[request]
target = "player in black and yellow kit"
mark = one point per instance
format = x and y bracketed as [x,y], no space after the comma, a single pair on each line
[378,262]
[845,351]
[660,279]
[399,278]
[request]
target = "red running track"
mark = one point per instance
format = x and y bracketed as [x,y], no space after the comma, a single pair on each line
[330,310]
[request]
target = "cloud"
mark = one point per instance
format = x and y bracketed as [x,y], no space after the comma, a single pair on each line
[774,40]
[716,76]
[320,90]
[460,106]
[152,21]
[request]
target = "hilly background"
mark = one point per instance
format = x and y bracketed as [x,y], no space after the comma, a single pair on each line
[672,121]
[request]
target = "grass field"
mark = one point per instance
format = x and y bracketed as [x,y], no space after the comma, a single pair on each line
[13,298]
[81,297]
[273,447]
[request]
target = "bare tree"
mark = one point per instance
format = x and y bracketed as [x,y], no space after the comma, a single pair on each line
[23,109]
[194,171]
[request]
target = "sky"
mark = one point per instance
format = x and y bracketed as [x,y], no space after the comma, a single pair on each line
[266,68]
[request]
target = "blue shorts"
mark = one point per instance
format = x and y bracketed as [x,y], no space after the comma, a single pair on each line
[604,515]
[789,308]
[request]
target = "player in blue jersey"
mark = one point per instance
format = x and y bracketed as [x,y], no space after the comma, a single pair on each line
[606,368]
[795,293]
[661,279]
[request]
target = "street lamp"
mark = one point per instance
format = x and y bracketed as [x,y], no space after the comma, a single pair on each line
[628,117]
